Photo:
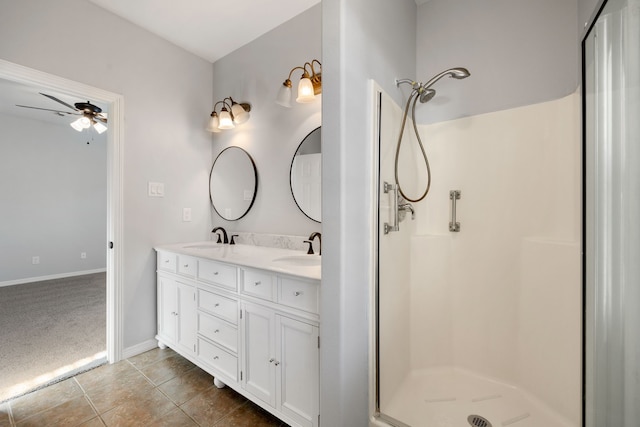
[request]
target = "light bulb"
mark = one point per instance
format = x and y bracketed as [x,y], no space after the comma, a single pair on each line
[85,122]
[225,120]
[305,91]
[284,94]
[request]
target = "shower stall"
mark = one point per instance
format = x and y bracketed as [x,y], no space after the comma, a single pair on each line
[478,297]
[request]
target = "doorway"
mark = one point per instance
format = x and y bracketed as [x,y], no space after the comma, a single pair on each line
[114,102]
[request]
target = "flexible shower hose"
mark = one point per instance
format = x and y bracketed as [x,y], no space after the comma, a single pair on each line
[414,96]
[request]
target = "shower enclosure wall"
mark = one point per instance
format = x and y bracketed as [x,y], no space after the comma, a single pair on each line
[485,321]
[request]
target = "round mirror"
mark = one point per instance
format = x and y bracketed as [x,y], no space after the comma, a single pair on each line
[233,183]
[305,176]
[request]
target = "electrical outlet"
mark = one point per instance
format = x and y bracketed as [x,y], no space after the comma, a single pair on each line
[186,214]
[35,260]
[83,255]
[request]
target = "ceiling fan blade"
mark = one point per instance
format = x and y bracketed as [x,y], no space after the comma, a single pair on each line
[57,100]
[46,109]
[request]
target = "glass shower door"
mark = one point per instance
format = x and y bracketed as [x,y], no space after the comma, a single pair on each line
[611,93]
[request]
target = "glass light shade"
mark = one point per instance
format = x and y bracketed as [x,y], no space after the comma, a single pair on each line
[99,127]
[214,122]
[78,124]
[305,91]
[239,114]
[284,96]
[225,120]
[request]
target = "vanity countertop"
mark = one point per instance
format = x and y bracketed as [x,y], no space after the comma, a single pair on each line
[287,261]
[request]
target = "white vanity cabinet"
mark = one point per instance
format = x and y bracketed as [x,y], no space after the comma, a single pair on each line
[253,329]
[176,313]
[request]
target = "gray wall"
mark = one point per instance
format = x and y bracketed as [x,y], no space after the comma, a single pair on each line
[519,52]
[254,74]
[53,189]
[586,11]
[167,99]
[362,40]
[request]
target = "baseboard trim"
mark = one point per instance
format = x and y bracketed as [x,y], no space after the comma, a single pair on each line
[139,348]
[50,277]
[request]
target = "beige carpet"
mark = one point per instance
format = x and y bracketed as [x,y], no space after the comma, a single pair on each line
[50,330]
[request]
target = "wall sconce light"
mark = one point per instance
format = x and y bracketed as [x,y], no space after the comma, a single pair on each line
[308,87]
[231,114]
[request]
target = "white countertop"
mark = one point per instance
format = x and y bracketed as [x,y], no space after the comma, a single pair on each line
[287,261]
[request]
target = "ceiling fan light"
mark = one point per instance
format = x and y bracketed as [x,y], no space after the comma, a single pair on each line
[284,94]
[77,124]
[85,122]
[225,120]
[240,115]
[99,127]
[305,91]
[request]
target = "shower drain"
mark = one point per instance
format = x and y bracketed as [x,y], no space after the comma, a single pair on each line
[478,421]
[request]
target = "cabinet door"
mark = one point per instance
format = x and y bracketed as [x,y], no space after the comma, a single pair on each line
[187,317]
[167,309]
[259,357]
[298,370]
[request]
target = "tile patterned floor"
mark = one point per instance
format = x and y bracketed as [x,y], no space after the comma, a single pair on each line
[156,388]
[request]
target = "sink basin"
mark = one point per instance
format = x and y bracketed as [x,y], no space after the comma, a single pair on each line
[299,260]
[204,246]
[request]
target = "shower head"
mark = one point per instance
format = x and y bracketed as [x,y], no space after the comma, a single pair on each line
[456,73]
[426,95]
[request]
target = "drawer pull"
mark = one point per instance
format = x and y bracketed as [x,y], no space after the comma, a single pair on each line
[297,293]
[186,265]
[215,273]
[216,331]
[216,304]
[258,283]
[166,261]
[215,357]
[271,360]
[277,363]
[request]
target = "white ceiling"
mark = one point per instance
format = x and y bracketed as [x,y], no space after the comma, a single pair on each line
[209,29]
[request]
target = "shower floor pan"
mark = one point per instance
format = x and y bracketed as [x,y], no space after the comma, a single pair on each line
[448,397]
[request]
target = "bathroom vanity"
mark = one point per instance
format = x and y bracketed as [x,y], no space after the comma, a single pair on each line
[249,316]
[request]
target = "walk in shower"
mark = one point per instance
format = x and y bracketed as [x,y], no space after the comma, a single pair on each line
[479,295]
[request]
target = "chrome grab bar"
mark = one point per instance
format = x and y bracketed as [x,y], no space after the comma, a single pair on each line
[454,225]
[393,188]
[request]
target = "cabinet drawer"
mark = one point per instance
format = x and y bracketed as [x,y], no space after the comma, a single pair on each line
[223,307]
[219,359]
[258,284]
[217,273]
[299,294]
[187,265]
[218,331]
[167,261]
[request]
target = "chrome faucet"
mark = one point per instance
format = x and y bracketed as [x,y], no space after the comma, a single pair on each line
[310,242]
[224,233]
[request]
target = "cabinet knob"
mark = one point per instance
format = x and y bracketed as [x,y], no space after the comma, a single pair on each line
[216,331]
[297,293]
[215,273]
[257,283]
[186,265]
[166,261]
[216,304]
[271,360]
[215,357]
[277,363]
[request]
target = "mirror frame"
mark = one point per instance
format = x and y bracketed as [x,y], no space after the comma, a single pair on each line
[291,170]
[255,175]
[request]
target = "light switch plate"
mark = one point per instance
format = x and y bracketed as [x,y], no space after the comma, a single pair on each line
[156,189]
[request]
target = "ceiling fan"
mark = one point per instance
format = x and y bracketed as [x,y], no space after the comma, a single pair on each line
[90,115]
